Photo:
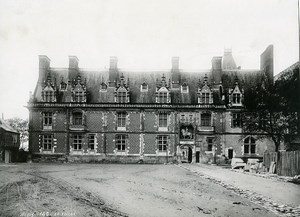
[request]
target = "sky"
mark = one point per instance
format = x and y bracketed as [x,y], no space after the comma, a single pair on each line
[141,33]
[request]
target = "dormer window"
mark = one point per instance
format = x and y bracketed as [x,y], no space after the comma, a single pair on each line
[184,88]
[236,95]
[63,86]
[49,90]
[205,93]
[122,91]
[162,92]
[79,90]
[103,87]
[144,87]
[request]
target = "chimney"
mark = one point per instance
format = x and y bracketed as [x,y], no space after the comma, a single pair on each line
[267,64]
[113,63]
[44,65]
[113,71]
[175,62]
[73,67]
[73,62]
[216,63]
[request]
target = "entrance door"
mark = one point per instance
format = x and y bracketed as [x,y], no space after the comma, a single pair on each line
[197,156]
[190,157]
[230,153]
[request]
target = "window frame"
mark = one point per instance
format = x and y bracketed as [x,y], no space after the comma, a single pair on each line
[210,143]
[236,120]
[47,142]
[162,97]
[121,120]
[121,142]
[76,120]
[78,142]
[163,120]
[162,143]
[47,120]
[206,122]
[249,145]
[236,98]
[91,141]
[121,97]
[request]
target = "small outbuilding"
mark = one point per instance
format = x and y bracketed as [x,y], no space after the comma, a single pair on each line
[9,142]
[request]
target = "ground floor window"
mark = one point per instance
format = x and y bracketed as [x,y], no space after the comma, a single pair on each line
[162,142]
[209,144]
[249,145]
[121,142]
[47,142]
[77,142]
[92,140]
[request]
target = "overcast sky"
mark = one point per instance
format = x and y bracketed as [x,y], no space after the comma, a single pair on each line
[141,33]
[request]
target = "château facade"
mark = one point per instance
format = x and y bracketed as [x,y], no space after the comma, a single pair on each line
[152,116]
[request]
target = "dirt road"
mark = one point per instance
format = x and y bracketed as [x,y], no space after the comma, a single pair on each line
[115,190]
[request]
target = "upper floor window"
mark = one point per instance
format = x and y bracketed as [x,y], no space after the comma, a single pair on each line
[15,139]
[103,87]
[77,142]
[121,143]
[205,97]
[48,96]
[47,142]
[236,98]
[184,88]
[144,87]
[77,118]
[121,97]
[63,86]
[121,120]
[92,141]
[79,96]
[236,120]
[205,119]
[162,97]
[163,120]
[249,145]
[162,141]
[47,120]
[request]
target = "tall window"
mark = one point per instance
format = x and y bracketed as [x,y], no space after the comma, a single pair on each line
[78,96]
[236,98]
[162,97]
[249,146]
[209,144]
[48,95]
[92,141]
[121,119]
[122,97]
[47,142]
[121,142]
[236,120]
[77,118]
[163,120]
[77,142]
[162,142]
[47,120]
[205,98]
[205,119]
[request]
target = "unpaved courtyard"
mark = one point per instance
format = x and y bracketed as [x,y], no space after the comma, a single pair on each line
[115,190]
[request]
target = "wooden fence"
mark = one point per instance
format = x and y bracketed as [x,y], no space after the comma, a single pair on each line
[288,164]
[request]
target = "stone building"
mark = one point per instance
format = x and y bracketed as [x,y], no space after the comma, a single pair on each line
[152,116]
[9,142]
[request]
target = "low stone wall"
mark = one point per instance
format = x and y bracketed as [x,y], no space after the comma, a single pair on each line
[61,158]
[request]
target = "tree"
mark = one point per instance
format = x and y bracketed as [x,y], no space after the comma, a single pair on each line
[272,111]
[21,126]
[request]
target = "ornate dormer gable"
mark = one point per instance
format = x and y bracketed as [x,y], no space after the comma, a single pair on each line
[184,88]
[205,94]
[144,87]
[78,90]
[122,91]
[63,85]
[49,90]
[162,92]
[236,94]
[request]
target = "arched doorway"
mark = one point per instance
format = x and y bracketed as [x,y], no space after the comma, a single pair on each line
[190,155]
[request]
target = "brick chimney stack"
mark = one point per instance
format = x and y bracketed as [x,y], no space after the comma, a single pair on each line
[44,65]
[113,71]
[216,63]
[73,67]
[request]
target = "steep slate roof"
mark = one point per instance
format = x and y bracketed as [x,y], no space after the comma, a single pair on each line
[247,79]
[5,126]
